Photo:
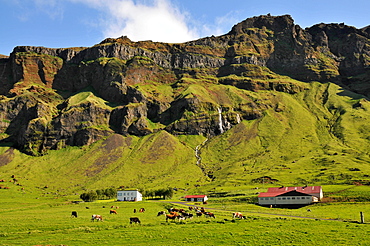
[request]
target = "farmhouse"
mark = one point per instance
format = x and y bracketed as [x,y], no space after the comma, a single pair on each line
[196,198]
[287,196]
[129,195]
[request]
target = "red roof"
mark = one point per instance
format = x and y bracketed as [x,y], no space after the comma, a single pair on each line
[276,191]
[195,196]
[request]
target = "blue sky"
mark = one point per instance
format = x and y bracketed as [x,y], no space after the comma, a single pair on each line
[75,23]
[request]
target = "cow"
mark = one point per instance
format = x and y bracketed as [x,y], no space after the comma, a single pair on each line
[199,214]
[210,215]
[96,217]
[238,215]
[173,210]
[161,213]
[142,210]
[180,217]
[112,211]
[174,213]
[171,217]
[187,215]
[191,208]
[74,214]
[135,220]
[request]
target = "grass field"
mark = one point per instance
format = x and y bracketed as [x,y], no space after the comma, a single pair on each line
[29,219]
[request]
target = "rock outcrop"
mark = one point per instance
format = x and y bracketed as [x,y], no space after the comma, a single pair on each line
[51,98]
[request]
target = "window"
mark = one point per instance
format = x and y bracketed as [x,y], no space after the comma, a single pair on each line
[288,198]
[271,198]
[284,198]
[279,198]
[293,198]
[119,194]
[298,198]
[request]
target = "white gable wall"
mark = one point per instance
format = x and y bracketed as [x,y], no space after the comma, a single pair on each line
[129,195]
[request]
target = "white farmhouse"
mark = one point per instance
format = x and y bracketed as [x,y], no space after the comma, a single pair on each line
[196,198]
[129,195]
[286,196]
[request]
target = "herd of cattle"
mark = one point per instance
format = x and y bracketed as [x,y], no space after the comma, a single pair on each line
[172,215]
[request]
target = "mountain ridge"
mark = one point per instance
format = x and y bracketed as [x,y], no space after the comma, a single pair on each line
[266,92]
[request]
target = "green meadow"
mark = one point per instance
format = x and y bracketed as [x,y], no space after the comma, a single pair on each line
[36,219]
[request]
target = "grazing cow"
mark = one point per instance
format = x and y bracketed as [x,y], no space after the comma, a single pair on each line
[134,210]
[181,217]
[142,210]
[173,210]
[191,208]
[112,211]
[96,217]
[74,214]
[174,213]
[171,217]
[135,220]
[209,215]
[199,214]
[187,215]
[238,215]
[161,213]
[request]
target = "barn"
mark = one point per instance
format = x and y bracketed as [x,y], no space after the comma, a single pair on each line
[196,198]
[129,195]
[290,196]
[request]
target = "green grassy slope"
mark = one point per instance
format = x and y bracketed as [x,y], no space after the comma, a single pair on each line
[317,136]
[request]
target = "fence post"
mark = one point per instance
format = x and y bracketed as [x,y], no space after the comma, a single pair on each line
[362,217]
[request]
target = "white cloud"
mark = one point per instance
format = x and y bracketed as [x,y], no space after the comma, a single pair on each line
[157,20]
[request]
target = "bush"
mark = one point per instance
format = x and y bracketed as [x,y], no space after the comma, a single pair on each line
[89,196]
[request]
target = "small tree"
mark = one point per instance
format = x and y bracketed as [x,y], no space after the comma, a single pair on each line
[89,196]
[110,192]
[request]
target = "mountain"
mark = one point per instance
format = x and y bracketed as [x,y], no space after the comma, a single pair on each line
[268,101]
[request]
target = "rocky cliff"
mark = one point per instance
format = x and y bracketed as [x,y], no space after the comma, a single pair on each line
[51,98]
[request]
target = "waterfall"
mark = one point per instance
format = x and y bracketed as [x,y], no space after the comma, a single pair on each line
[197,152]
[238,119]
[220,125]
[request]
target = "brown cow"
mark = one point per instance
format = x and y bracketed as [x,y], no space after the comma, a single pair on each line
[171,217]
[112,211]
[96,217]
[210,215]
[238,215]
[142,210]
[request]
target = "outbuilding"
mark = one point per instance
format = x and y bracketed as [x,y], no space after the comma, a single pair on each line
[290,196]
[196,198]
[129,195]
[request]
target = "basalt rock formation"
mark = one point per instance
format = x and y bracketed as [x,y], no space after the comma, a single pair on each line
[51,98]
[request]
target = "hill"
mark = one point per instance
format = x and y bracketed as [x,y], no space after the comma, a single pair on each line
[268,102]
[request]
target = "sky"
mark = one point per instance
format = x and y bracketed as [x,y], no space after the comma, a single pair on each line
[84,23]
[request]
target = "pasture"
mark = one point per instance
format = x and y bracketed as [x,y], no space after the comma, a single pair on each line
[30,220]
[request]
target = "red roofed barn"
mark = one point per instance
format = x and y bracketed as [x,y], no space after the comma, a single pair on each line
[280,196]
[196,198]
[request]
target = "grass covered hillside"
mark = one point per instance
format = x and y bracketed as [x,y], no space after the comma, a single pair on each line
[268,103]
[317,136]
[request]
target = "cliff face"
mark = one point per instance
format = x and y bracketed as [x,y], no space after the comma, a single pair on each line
[51,98]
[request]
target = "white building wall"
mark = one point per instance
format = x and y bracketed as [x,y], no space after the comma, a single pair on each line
[129,195]
[287,200]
